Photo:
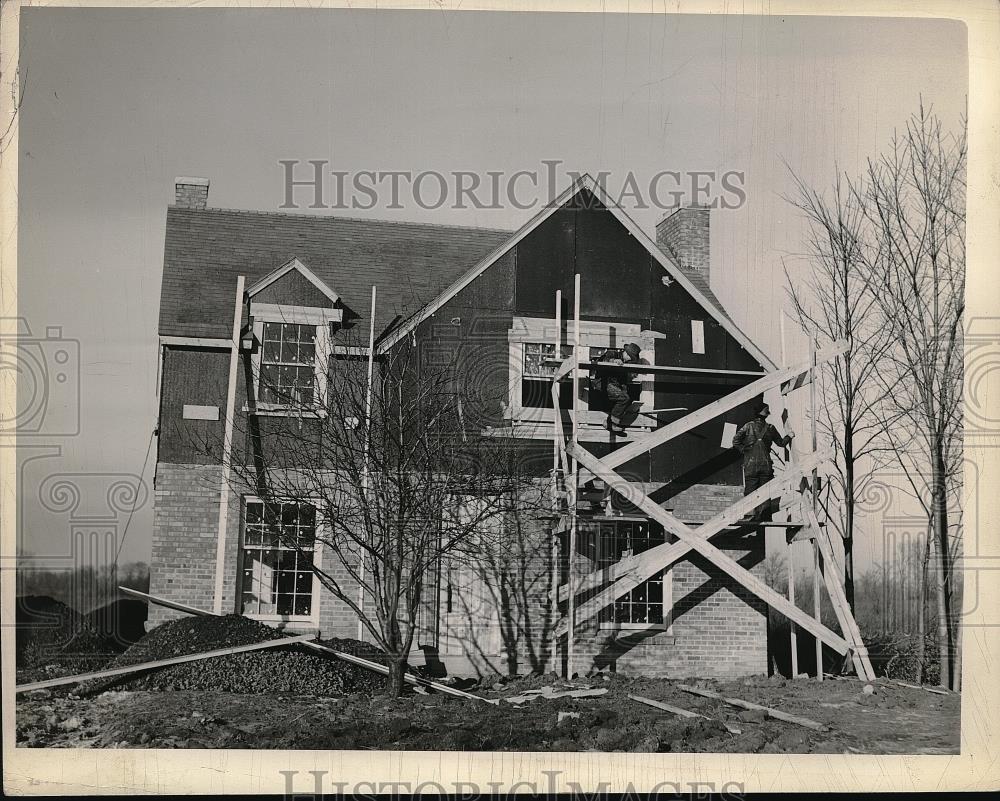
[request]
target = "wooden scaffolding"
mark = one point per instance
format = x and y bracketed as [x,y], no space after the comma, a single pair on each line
[796,484]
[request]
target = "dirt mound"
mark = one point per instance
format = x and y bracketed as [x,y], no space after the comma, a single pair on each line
[122,621]
[292,669]
[51,633]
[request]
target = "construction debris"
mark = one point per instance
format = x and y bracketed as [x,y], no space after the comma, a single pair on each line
[550,692]
[773,713]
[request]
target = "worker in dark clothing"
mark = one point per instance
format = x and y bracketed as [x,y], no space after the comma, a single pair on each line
[623,410]
[754,440]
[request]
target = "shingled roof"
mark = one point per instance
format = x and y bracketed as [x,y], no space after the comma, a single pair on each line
[207,249]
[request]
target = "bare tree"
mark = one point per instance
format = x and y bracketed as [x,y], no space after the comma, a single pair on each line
[913,198]
[776,571]
[832,303]
[384,475]
[515,566]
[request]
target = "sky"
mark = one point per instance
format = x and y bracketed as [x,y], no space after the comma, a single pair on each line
[116,103]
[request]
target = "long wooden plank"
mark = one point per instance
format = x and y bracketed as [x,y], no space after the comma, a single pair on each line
[714,555]
[191,610]
[638,367]
[838,598]
[712,410]
[777,714]
[357,660]
[174,660]
[684,713]
[710,528]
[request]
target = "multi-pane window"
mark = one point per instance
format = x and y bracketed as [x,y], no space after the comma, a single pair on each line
[288,364]
[278,547]
[617,540]
[536,376]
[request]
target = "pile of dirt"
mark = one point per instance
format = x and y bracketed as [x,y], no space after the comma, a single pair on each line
[123,621]
[53,639]
[292,669]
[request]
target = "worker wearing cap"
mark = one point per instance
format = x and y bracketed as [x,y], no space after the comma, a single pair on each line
[754,440]
[616,383]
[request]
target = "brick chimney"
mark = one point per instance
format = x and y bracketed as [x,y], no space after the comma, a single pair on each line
[190,193]
[683,235]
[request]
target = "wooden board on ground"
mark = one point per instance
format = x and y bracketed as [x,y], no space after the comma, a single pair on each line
[777,714]
[684,713]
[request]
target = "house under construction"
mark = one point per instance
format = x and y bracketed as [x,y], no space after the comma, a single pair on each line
[643,566]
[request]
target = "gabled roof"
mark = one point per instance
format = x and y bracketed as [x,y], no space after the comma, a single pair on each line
[206,249]
[304,271]
[694,284]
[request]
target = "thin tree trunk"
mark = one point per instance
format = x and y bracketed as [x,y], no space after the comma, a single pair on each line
[943,656]
[397,669]
[849,526]
[922,608]
[944,570]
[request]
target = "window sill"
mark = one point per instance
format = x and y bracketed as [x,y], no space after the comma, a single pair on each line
[635,628]
[276,410]
[297,622]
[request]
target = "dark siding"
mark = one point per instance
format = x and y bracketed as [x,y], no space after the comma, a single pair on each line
[192,376]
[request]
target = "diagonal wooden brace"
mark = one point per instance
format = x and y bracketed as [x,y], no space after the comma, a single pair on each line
[712,554]
[714,409]
[629,570]
[838,599]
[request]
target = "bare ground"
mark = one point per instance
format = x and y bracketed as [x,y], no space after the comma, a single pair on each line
[892,720]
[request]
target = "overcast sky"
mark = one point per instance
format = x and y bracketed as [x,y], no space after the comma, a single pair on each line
[119,102]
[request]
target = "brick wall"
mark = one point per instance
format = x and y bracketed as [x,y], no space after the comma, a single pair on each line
[684,235]
[185,527]
[718,628]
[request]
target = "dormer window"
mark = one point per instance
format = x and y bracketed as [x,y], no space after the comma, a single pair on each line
[288,369]
[294,313]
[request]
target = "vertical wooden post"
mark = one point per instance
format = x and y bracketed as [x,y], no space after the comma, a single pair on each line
[556,445]
[575,470]
[793,637]
[227,449]
[813,490]
[364,462]
[817,607]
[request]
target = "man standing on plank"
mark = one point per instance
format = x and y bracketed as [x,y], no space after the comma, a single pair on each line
[616,385]
[754,440]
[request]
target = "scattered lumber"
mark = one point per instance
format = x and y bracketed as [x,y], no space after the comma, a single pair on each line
[174,660]
[356,660]
[773,713]
[551,692]
[684,713]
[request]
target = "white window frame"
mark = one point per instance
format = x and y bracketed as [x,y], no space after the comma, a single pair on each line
[301,315]
[668,587]
[592,335]
[313,617]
